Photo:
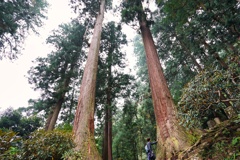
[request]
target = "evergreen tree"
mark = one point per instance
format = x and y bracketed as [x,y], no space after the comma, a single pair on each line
[56,75]
[112,82]
[126,133]
[17,121]
[83,128]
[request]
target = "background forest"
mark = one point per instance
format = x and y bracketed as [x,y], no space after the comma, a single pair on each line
[92,102]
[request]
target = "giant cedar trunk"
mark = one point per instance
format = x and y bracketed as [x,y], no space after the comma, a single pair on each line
[171,136]
[83,127]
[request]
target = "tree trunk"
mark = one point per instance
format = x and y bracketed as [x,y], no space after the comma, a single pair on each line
[56,109]
[108,115]
[48,119]
[105,138]
[109,131]
[171,136]
[83,127]
[55,114]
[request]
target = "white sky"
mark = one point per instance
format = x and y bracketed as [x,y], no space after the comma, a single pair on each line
[14,88]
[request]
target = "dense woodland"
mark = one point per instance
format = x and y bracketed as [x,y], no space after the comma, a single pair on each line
[184,91]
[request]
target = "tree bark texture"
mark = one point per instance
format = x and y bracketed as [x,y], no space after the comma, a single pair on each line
[83,127]
[55,114]
[48,119]
[171,136]
[57,108]
[107,150]
[105,138]
[109,123]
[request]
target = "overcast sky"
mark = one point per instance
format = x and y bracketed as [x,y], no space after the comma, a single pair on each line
[15,90]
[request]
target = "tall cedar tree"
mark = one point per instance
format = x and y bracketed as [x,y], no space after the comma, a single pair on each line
[55,75]
[83,128]
[111,81]
[171,136]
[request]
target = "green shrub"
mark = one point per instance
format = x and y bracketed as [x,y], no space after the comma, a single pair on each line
[7,140]
[209,94]
[73,155]
[43,145]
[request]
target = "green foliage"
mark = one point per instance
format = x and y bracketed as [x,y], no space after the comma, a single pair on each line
[146,119]
[209,93]
[86,7]
[235,141]
[191,35]
[112,82]
[10,119]
[132,12]
[40,145]
[136,121]
[17,17]
[8,139]
[57,75]
[47,145]
[73,155]
[65,127]
[125,133]
[17,122]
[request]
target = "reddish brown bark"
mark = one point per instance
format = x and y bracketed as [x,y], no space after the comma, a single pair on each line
[107,140]
[48,120]
[54,115]
[171,135]
[105,137]
[52,119]
[83,127]
[107,146]
[110,134]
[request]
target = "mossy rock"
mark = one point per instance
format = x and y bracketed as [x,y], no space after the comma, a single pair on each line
[221,142]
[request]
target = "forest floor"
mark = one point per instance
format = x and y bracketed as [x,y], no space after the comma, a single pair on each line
[221,142]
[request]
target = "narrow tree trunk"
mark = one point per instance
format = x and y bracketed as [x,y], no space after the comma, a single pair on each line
[171,136]
[105,138]
[83,127]
[108,115]
[109,132]
[55,114]
[48,119]
[56,109]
